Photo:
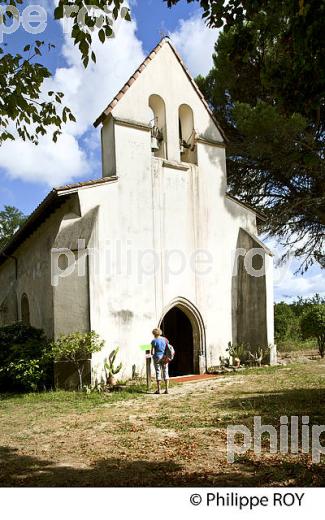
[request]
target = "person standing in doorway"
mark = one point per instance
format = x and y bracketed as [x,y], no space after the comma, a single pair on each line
[158,348]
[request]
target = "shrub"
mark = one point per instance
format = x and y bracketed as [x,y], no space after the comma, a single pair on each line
[313,325]
[286,323]
[76,348]
[27,374]
[23,361]
[289,333]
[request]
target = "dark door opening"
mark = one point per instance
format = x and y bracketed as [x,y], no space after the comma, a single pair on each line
[178,330]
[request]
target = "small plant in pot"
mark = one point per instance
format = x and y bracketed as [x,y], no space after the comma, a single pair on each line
[111,369]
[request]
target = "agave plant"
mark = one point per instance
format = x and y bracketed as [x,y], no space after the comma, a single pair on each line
[110,368]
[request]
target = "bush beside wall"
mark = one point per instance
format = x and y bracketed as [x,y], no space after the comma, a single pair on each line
[24,362]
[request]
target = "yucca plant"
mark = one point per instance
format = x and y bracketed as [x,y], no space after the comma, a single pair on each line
[110,368]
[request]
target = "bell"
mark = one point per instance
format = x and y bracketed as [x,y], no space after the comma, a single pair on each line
[154,144]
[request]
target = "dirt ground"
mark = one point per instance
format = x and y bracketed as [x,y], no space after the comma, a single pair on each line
[178,439]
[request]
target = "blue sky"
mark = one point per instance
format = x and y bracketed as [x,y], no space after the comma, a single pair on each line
[27,173]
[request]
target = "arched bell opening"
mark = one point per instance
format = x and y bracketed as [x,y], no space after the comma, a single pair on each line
[187,135]
[158,126]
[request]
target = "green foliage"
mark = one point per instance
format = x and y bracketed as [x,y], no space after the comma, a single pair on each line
[249,354]
[313,325]
[292,346]
[24,105]
[110,367]
[98,18]
[214,11]
[286,323]
[76,348]
[27,374]
[10,219]
[239,351]
[23,359]
[302,304]
[290,332]
[267,90]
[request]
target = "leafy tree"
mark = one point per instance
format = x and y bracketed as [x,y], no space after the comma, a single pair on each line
[288,319]
[286,324]
[76,348]
[267,90]
[26,109]
[313,325]
[301,305]
[10,219]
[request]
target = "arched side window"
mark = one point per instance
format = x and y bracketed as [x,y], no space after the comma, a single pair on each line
[158,126]
[187,135]
[25,316]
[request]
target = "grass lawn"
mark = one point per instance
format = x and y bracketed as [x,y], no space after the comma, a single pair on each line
[294,345]
[135,439]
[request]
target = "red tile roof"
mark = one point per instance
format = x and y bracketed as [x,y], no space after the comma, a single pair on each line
[51,202]
[83,184]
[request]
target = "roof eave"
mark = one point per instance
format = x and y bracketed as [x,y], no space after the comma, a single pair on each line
[51,202]
[110,107]
[46,206]
[261,216]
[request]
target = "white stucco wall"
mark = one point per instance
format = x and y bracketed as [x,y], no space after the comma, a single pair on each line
[158,207]
[34,271]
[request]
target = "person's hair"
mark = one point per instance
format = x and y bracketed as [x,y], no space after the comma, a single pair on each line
[157,332]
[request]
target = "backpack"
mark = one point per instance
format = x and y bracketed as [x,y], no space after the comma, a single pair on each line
[169,352]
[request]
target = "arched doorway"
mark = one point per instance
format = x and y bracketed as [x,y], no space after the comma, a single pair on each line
[178,329]
[183,326]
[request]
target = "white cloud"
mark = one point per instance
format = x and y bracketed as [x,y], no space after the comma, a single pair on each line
[47,162]
[195,42]
[289,283]
[291,286]
[87,93]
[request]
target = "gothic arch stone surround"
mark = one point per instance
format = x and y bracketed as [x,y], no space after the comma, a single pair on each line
[198,327]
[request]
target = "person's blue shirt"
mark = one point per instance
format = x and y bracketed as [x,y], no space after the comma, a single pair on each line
[159,347]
